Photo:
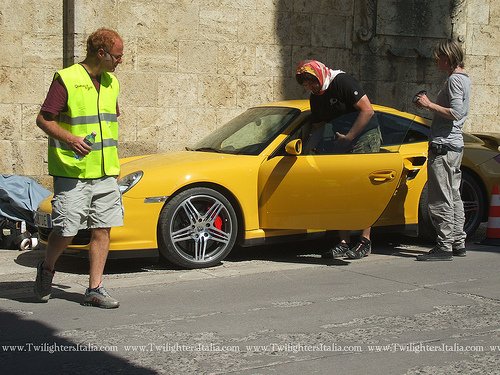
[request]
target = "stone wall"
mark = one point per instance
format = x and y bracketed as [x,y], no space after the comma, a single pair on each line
[483,59]
[190,65]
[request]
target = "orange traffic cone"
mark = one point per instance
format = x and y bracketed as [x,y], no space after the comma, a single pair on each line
[493,229]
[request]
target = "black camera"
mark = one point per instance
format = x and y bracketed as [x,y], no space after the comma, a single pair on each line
[421,92]
[438,148]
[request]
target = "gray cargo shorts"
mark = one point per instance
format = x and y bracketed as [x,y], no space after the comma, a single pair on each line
[85,204]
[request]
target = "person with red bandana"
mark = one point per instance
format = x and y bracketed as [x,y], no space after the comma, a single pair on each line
[334,93]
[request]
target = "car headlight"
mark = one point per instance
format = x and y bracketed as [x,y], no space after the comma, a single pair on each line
[129,181]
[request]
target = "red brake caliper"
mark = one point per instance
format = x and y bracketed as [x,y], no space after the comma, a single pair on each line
[218,222]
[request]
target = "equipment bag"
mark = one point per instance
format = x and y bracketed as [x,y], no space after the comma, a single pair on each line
[12,233]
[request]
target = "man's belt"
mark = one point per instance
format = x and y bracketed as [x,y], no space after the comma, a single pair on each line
[442,149]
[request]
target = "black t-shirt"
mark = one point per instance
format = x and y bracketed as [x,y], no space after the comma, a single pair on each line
[338,100]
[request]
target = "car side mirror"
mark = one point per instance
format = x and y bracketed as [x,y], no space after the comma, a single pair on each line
[294,147]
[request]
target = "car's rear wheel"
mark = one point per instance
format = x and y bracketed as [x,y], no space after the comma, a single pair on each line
[197,228]
[475,203]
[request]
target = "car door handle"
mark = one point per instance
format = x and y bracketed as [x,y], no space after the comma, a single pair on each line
[381,176]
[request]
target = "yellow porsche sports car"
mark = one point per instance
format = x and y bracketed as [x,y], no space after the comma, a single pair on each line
[268,174]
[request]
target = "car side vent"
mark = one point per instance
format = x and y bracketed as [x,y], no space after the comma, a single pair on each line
[418,161]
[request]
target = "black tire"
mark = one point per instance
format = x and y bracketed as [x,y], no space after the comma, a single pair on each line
[475,204]
[197,228]
[426,229]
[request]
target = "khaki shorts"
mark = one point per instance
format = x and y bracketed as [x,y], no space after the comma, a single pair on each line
[85,204]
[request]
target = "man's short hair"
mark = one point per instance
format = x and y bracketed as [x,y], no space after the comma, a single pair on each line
[101,38]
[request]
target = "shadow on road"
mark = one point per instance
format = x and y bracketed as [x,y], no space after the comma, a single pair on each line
[22,291]
[309,251]
[30,347]
[80,266]
[304,251]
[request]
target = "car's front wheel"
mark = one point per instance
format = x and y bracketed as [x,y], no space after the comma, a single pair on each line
[475,203]
[197,228]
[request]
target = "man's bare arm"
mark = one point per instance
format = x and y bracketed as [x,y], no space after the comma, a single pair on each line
[364,106]
[46,121]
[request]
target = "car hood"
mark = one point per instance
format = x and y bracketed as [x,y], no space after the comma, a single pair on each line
[168,172]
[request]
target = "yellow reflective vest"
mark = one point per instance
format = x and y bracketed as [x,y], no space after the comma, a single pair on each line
[87,110]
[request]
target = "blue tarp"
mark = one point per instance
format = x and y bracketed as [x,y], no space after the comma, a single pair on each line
[20,197]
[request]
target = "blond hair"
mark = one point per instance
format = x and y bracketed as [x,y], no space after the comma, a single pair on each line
[452,50]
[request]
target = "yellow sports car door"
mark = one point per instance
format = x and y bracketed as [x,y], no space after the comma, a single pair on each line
[334,192]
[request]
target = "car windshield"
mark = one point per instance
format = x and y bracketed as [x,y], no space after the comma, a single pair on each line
[249,133]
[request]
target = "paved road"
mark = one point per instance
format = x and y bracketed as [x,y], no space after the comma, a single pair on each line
[267,310]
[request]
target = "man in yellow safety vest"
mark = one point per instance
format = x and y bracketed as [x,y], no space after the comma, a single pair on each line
[82,100]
